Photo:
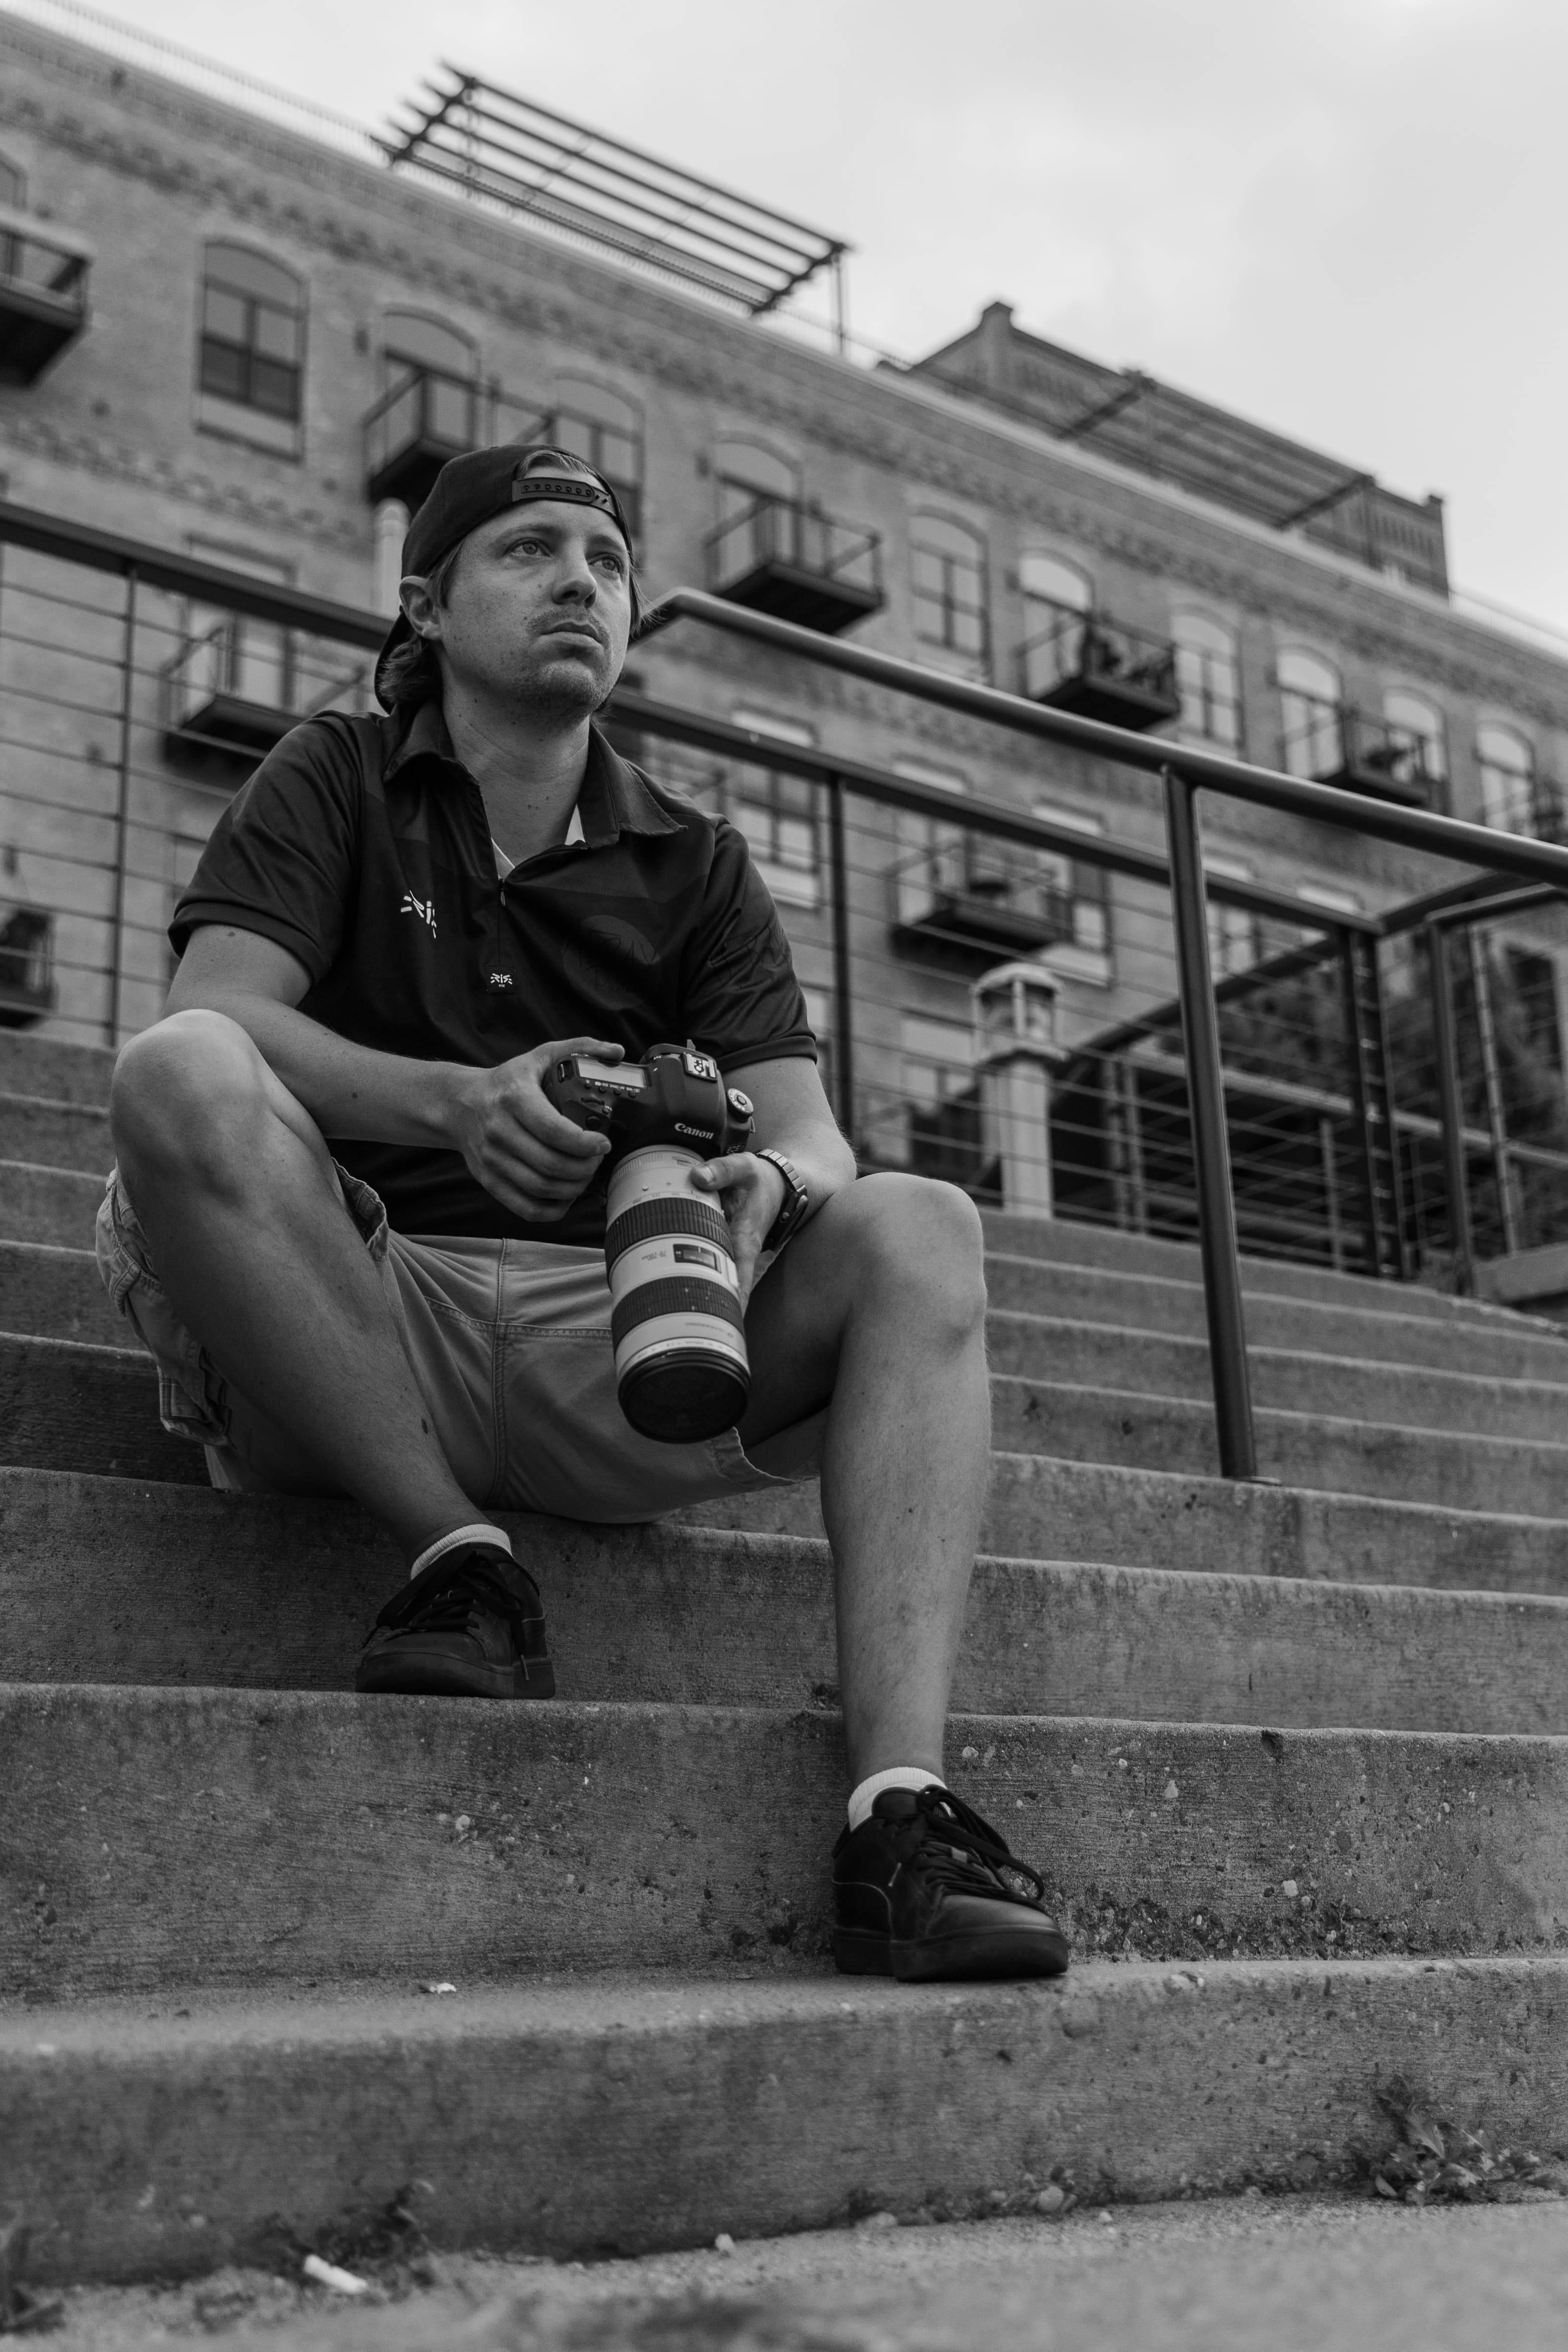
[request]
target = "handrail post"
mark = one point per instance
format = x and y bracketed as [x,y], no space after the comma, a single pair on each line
[843,1018]
[1446,1055]
[1492,1074]
[122,811]
[1211,1147]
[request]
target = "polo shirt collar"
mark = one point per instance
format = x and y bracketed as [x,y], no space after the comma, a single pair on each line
[614,799]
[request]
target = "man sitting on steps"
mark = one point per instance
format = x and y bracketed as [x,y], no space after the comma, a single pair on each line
[395,930]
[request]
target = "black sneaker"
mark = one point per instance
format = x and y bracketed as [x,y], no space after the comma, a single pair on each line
[926,1889]
[469,1626]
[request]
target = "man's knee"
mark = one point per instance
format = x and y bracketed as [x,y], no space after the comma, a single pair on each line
[184,1094]
[919,1242]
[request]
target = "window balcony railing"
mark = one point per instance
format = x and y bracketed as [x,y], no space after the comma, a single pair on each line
[780,556]
[969,902]
[43,293]
[426,418]
[238,687]
[26,967]
[1087,663]
[1331,743]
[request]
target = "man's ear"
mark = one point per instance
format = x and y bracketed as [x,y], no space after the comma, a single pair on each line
[419,607]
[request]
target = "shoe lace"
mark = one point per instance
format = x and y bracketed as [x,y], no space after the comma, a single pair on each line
[962,1850]
[469,1579]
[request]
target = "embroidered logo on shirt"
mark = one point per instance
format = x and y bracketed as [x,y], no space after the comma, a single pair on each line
[424,908]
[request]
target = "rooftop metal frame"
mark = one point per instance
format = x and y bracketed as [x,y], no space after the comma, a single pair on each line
[507,151]
[1150,426]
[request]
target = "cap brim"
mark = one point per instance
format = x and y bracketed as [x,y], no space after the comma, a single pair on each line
[398,635]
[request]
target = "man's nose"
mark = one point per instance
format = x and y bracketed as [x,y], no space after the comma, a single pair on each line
[574,580]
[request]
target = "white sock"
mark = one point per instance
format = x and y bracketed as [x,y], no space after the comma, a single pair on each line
[902,1776]
[497,1538]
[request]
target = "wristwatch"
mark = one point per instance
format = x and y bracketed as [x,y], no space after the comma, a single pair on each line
[796,1203]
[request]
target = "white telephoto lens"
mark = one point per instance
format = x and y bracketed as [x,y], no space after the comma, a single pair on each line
[681,1370]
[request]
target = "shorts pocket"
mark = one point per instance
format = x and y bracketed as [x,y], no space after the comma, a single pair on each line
[193,1396]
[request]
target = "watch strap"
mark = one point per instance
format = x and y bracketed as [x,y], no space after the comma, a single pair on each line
[796,1202]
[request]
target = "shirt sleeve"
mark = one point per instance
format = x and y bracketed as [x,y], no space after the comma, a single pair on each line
[740,998]
[283,858]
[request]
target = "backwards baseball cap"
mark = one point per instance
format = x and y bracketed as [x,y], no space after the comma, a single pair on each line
[470,490]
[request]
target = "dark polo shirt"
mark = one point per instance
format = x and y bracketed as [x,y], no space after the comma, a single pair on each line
[364,850]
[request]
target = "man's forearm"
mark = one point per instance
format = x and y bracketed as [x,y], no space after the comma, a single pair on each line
[349,1090]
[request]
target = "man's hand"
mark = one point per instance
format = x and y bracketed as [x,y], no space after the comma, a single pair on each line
[751,1194]
[516,1143]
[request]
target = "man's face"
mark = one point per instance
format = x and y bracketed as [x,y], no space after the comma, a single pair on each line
[538,610]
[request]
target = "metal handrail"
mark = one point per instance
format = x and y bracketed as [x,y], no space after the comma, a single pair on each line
[1444,836]
[1184,771]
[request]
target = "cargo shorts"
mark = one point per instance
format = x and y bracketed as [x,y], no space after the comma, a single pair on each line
[509,1342]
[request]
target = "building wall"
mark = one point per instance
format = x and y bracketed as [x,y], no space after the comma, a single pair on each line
[117,434]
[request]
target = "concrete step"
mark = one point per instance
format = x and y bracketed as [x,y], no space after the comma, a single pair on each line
[1061,1243]
[1040,1507]
[68,1405]
[1340,1456]
[104,1581]
[55,1205]
[56,1294]
[1101,1355]
[153,2145]
[56,1134]
[1514,1346]
[155,1837]
[47,1065]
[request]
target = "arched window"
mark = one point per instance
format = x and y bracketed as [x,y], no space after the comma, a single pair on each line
[1507,763]
[1309,707]
[1208,679]
[1045,579]
[605,429]
[948,575]
[13,185]
[1416,736]
[759,509]
[747,471]
[253,331]
[429,380]
[410,340]
[1059,600]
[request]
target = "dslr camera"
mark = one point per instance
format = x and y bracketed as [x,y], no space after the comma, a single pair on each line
[681,1368]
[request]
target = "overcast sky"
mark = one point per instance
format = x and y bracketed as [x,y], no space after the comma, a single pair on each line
[1344,219]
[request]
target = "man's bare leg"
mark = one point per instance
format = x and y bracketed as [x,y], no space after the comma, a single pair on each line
[234,1188]
[880,1301]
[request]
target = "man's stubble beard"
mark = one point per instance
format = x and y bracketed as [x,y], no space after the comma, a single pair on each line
[560,692]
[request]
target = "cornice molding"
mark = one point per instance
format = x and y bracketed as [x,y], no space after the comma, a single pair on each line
[97,457]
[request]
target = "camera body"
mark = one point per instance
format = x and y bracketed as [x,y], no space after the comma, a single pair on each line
[681,1370]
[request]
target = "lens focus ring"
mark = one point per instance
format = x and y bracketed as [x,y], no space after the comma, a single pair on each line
[648,1220]
[675,1295]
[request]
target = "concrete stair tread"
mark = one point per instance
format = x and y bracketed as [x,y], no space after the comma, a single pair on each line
[154,1835]
[50,1067]
[1516,1345]
[1066,1241]
[105,1580]
[1182,1521]
[1389,1459]
[661,2113]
